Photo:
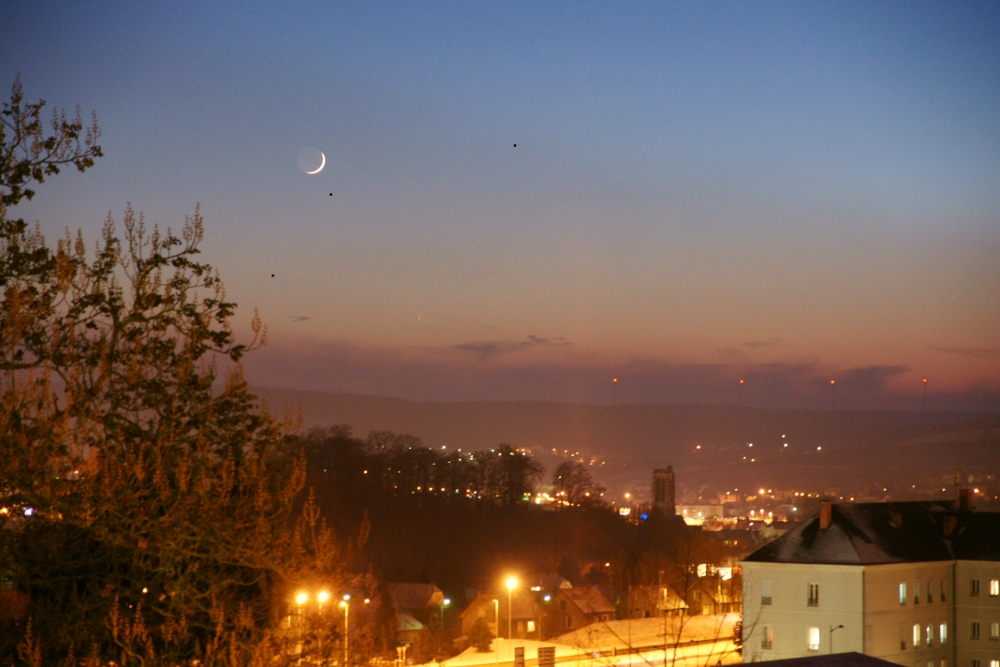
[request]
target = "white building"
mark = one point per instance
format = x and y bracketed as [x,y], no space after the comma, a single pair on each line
[917,584]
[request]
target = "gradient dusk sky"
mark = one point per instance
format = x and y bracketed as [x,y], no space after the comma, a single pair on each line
[701,192]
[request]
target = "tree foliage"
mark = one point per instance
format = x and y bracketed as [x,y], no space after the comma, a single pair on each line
[480,635]
[572,483]
[147,512]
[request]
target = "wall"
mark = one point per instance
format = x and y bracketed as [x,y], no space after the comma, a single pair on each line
[841,601]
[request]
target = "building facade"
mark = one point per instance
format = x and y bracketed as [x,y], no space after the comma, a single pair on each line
[906,582]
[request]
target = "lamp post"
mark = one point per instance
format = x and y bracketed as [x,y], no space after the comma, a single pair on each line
[496,624]
[346,604]
[511,585]
[832,629]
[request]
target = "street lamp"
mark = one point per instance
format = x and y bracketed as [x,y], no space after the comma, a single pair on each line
[496,612]
[832,629]
[511,585]
[346,604]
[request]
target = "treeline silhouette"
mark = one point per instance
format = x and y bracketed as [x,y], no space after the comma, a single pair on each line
[463,519]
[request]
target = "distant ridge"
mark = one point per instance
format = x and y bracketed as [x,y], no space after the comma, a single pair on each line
[825,448]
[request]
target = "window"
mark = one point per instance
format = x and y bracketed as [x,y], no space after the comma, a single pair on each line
[973,587]
[930,594]
[944,662]
[765,592]
[768,639]
[943,597]
[902,636]
[813,595]
[531,626]
[520,627]
[943,633]
[916,592]
[929,635]
[569,621]
[813,643]
[975,630]
[902,592]
[994,587]
[994,663]
[916,635]
[976,663]
[994,631]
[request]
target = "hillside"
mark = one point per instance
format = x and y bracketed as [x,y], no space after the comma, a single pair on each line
[858,452]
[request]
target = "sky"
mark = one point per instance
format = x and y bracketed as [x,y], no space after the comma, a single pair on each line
[784,193]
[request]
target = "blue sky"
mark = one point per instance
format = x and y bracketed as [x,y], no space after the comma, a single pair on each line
[783,190]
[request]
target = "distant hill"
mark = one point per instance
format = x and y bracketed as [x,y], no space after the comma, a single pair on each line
[859,452]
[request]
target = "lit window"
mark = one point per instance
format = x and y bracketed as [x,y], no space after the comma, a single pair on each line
[994,630]
[916,635]
[994,663]
[943,633]
[902,592]
[813,595]
[768,641]
[765,592]
[975,630]
[531,626]
[813,644]
[973,587]
[994,587]
[929,636]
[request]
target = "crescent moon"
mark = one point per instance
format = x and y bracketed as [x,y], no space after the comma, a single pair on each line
[321,164]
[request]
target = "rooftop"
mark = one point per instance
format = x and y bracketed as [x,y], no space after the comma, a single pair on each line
[874,533]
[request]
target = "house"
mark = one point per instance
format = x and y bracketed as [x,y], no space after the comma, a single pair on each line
[578,607]
[526,623]
[653,602]
[914,583]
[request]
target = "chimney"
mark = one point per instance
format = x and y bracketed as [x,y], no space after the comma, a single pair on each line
[965,500]
[825,513]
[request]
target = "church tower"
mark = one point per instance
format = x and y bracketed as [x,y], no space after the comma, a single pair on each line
[663,491]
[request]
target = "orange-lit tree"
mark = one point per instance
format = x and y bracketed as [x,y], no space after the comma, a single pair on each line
[146,513]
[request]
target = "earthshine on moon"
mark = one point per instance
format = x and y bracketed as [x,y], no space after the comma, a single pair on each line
[311,160]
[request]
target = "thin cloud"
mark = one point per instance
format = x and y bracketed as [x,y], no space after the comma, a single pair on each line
[299,318]
[770,342]
[974,352]
[485,350]
[871,378]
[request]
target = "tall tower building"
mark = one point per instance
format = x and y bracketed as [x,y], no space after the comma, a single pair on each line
[663,491]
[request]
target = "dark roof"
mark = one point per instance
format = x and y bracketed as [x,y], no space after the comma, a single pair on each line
[835,660]
[410,598]
[871,533]
[589,599]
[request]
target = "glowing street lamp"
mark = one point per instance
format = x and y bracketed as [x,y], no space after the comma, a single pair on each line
[322,597]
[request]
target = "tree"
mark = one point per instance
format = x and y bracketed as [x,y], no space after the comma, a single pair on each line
[480,635]
[154,512]
[573,484]
[510,475]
